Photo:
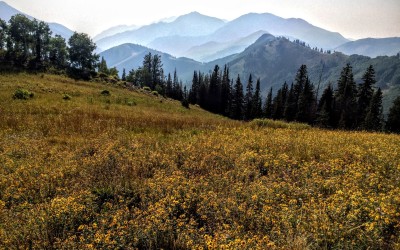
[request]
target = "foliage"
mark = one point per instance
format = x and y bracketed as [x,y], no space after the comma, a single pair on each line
[86,174]
[393,122]
[81,54]
[22,94]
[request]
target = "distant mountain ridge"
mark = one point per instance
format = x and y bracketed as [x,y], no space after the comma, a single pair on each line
[372,47]
[194,31]
[7,11]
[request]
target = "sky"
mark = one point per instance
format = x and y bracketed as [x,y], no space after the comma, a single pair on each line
[354,19]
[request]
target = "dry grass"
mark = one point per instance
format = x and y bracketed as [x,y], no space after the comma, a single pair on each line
[136,171]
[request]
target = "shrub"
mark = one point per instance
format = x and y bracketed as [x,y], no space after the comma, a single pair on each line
[185,103]
[155,93]
[67,97]
[105,92]
[22,94]
[261,123]
[146,88]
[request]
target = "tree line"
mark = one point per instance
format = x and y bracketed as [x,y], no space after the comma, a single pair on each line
[349,106]
[29,44]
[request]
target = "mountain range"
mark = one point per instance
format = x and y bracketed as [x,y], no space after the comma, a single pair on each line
[7,11]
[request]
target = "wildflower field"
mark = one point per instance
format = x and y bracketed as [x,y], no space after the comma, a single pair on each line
[81,168]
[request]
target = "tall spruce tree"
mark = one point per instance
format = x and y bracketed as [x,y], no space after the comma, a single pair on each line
[325,112]
[194,90]
[226,94]
[257,103]
[214,91]
[346,104]
[306,104]
[393,121]
[238,99]
[248,99]
[279,102]
[268,105]
[290,105]
[365,93]
[374,118]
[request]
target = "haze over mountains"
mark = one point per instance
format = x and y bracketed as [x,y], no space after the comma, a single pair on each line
[260,44]
[6,12]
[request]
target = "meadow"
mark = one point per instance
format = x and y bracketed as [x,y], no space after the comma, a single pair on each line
[84,169]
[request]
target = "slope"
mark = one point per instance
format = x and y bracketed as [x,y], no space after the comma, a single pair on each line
[372,47]
[135,171]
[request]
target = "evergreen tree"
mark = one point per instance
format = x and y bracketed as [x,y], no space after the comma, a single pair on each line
[257,103]
[103,68]
[268,105]
[214,91]
[325,112]
[156,71]
[146,74]
[306,104]
[248,99]
[374,118]
[226,94]
[203,91]
[346,105]
[123,77]
[237,101]
[279,102]
[365,93]
[194,91]
[290,105]
[168,87]
[393,121]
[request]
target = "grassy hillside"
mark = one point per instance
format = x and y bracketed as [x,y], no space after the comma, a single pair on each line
[136,171]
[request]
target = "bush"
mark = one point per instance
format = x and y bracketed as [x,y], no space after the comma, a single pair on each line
[155,93]
[105,92]
[262,123]
[67,97]
[22,94]
[146,88]
[185,103]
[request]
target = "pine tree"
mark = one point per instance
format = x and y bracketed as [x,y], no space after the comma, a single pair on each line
[168,87]
[365,93]
[325,112]
[123,77]
[214,91]
[194,91]
[248,99]
[226,94]
[237,102]
[346,105]
[393,121]
[374,118]
[147,67]
[290,111]
[257,103]
[279,102]
[268,105]
[306,103]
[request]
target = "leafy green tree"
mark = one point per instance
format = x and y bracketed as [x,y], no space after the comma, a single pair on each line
[58,52]
[3,35]
[147,67]
[238,99]
[365,93]
[157,72]
[20,40]
[374,118]
[393,121]
[346,104]
[81,53]
[41,44]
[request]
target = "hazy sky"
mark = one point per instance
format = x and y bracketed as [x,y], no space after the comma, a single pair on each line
[352,18]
